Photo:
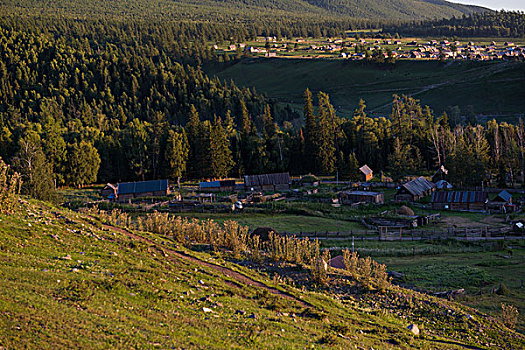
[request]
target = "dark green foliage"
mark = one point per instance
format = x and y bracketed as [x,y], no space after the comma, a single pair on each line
[483,24]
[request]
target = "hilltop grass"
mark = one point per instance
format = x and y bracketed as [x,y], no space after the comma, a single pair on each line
[68,281]
[490,87]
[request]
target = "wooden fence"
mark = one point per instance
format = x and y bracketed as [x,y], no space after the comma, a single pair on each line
[399,234]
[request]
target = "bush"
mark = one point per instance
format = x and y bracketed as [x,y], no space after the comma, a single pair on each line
[10,183]
[509,315]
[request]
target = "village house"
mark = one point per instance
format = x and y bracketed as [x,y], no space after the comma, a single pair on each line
[153,188]
[351,197]
[366,173]
[267,182]
[415,190]
[459,200]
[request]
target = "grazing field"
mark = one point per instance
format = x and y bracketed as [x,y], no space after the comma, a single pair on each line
[437,266]
[283,222]
[491,88]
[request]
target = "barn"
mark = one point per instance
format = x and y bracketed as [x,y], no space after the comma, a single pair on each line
[459,200]
[350,197]
[415,190]
[267,182]
[153,188]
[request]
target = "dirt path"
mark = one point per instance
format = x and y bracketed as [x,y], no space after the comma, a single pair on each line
[239,277]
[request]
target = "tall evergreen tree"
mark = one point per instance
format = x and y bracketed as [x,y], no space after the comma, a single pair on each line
[309,132]
[220,154]
[326,151]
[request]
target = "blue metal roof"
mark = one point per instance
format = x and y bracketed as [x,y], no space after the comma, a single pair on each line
[142,186]
[209,184]
[507,197]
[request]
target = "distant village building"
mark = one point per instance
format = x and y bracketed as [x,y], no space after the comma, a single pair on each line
[217,186]
[367,173]
[267,182]
[459,200]
[415,189]
[350,197]
[502,203]
[130,190]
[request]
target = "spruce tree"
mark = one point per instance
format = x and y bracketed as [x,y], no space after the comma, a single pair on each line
[309,132]
[220,154]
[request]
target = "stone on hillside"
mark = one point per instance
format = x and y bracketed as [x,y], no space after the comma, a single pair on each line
[67,257]
[413,328]
[240,312]
[201,282]
[205,309]
[395,274]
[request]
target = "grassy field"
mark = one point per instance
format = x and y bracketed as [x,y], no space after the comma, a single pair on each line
[492,88]
[436,266]
[283,222]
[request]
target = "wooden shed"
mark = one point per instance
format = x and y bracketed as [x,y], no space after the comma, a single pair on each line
[459,200]
[366,173]
[415,189]
[153,188]
[109,191]
[350,197]
[267,182]
[502,202]
[217,186]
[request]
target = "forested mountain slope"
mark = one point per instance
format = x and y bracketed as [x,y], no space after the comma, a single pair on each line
[244,11]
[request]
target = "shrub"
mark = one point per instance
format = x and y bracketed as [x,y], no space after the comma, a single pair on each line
[509,315]
[10,183]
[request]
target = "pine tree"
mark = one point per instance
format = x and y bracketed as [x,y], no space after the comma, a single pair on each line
[326,151]
[309,132]
[220,155]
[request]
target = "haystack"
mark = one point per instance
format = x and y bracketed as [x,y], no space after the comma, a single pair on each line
[404,210]
[263,233]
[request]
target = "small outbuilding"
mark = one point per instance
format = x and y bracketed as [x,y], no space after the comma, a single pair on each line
[366,173]
[109,191]
[217,186]
[502,202]
[459,200]
[267,182]
[351,197]
[415,190]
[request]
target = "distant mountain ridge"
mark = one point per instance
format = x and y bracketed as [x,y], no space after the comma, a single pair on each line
[245,10]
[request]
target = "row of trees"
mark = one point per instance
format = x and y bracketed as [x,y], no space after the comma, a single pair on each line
[410,141]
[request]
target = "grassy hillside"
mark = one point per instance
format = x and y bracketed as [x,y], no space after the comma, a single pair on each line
[71,281]
[492,88]
[237,9]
